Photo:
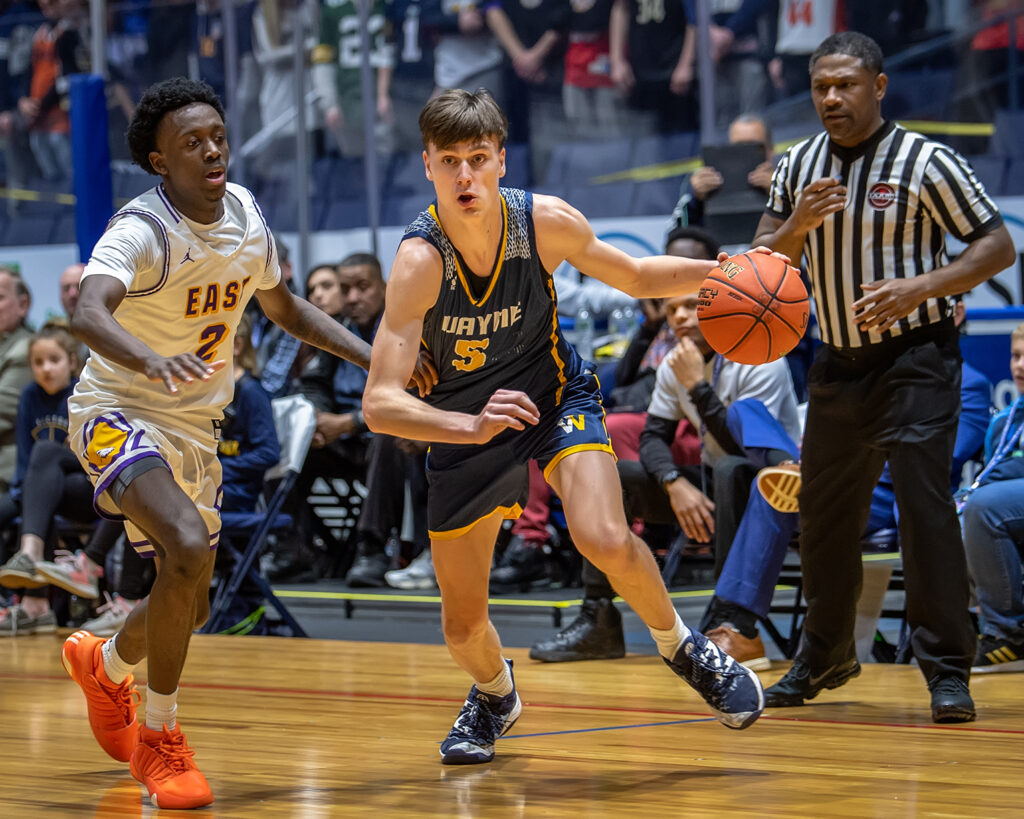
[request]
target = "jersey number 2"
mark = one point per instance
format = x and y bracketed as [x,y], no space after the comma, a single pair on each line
[211,337]
[470,352]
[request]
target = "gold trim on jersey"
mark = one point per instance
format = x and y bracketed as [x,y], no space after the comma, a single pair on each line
[578,448]
[559,364]
[507,512]
[499,263]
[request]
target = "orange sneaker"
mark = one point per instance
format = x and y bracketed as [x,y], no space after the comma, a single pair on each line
[162,761]
[111,707]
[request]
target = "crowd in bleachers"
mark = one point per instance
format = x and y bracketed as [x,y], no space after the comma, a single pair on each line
[591,88]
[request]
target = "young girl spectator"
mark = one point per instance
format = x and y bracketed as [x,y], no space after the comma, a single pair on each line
[47,476]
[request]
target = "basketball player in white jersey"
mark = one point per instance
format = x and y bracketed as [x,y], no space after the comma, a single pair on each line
[159,304]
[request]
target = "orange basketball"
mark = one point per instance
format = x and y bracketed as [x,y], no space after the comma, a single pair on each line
[753,308]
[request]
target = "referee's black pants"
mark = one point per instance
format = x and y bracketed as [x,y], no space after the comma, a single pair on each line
[899,403]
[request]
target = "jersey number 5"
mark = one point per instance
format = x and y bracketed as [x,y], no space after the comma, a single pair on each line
[470,352]
[211,337]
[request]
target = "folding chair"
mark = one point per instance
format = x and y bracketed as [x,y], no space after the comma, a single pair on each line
[295,422]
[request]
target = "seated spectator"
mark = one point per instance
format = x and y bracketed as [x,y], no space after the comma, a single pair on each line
[703,182]
[748,418]
[48,478]
[276,350]
[15,371]
[993,522]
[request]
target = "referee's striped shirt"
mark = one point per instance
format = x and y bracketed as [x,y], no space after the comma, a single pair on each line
[904,193]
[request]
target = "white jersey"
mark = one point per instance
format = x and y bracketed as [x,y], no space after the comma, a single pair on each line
[188,285]
[771,384]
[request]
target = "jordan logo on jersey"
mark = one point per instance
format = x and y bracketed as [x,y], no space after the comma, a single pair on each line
[569,422]
[188,257]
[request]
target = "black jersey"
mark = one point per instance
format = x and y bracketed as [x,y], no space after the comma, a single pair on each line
[498,332]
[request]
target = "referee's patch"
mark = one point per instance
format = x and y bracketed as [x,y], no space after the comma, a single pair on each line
[881,195]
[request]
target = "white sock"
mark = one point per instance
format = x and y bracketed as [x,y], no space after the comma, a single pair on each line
[500,686]
[161,709]
[670,639]
[114,666]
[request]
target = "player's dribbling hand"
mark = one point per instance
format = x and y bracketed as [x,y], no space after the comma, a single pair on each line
[505,409]
[424,377]
[184,368]
[723,256]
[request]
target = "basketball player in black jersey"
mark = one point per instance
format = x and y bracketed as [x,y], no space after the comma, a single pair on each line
[471,282]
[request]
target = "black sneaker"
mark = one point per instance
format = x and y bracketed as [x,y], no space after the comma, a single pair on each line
[800,683]
[522,566]
[996,654]
[368,571]
[951,700]
[481,721]
[595,634]
[733,692]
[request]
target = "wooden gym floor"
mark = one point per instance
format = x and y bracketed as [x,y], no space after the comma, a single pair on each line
[316,728]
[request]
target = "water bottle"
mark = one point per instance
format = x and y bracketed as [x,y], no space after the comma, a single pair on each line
[629,322]
[617,327]
[584,332]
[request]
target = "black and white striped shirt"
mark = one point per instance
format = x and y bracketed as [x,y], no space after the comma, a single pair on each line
[904,193]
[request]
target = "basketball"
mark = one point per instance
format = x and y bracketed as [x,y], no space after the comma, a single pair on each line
[753,308]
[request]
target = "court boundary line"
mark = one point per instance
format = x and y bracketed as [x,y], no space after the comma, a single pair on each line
[361,695]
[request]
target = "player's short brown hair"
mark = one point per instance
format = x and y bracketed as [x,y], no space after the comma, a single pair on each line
[455,116]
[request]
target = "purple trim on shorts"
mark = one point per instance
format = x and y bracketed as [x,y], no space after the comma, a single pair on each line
[104,485]
[136,544]
[167,250]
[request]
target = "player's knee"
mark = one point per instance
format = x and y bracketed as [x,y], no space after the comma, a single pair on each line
[202,610]
[615,554]
[460,630]
[185,554]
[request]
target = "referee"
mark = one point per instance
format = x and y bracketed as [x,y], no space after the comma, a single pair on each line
[869,205]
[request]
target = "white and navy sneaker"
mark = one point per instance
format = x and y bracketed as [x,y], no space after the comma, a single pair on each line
[481,721]
[733,692]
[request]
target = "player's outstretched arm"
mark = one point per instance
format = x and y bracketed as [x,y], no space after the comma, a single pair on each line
[312,325]
[564,233]
[93,322]
[387,408]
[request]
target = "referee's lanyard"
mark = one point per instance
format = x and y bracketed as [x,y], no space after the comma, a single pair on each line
[1007,441]
[716,373]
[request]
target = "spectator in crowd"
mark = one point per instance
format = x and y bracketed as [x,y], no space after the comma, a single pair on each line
[748,419]
[48,478]
[984,77]
[337,76]
[741,82]
[802,24]
[747,128]
[593,106]
[275,26]
[993,522]
[276,351]
[68,284]
[466,54]
[211,56]
[414,68]
[57,53]
[15,371]
[652,59]
[19,21]
[532,33]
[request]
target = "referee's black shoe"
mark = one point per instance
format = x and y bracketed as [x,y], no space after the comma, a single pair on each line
[951,699]
[802,683]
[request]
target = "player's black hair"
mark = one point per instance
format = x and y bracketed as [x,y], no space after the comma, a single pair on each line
[160,99]
[852,44]
[696,234]
[455,116]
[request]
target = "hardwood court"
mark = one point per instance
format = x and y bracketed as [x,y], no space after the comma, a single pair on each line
[309,728]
